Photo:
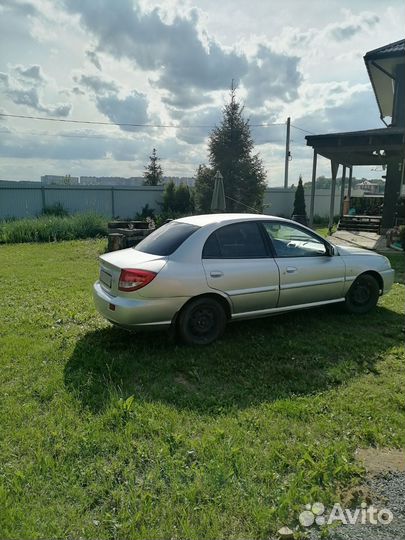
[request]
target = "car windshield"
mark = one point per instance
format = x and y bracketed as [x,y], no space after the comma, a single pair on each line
[166,239]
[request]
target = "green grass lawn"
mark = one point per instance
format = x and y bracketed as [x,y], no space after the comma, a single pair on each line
[227,441]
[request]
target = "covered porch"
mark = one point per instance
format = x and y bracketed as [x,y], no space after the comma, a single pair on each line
[377,147]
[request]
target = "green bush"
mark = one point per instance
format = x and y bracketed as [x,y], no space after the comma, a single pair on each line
[178,199]
[56,209]
[146,212]
[324,220]
[52,228]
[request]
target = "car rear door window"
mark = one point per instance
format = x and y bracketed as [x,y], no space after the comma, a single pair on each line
[236,241]
[165,240]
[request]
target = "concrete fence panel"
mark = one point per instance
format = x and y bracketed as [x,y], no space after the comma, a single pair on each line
[20,202]
[79,200]
[129,201]
[280,202]
[27,200]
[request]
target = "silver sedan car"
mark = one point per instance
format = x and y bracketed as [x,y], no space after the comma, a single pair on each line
[196,273]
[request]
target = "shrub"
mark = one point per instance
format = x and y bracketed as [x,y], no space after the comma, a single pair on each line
[178,199]
[169,197]
[324,220]
[145,213]
[56,209]
[89,225]
[183,199]
[204,185]
[163,217]
[53,228]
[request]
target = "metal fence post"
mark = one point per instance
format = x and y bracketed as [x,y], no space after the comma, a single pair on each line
[112,203]
[43,198]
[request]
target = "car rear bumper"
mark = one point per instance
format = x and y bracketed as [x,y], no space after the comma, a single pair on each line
[388,279]
[134,313]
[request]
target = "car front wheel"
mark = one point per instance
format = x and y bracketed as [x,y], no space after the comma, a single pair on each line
[363,295]
[201,322]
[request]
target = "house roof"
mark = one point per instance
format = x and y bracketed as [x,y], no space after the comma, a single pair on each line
[367,147]
[381,66]
[377,132]
[392,49]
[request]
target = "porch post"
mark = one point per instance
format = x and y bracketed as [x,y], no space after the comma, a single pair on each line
[312,203]
[391,191]
[334,168]
[342,189]
[349,188]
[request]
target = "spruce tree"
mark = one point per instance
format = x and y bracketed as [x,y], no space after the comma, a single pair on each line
[153,172]
[230,150]
[299,201]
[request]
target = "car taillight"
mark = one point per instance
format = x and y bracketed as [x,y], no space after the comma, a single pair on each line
[132,279]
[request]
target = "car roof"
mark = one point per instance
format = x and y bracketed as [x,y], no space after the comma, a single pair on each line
[208,219]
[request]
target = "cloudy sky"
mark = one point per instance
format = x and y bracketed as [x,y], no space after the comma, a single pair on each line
[170,63]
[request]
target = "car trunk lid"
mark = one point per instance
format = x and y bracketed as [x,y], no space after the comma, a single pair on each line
[112,263]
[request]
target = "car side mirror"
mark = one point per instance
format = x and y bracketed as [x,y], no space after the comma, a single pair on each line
[330,250]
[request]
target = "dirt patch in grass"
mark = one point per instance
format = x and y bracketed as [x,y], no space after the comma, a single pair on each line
[381,460]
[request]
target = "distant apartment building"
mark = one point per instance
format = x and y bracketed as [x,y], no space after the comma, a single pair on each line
[111,181]
[67,180]
[133,181]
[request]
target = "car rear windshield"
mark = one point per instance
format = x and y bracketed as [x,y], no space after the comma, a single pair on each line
[166,239]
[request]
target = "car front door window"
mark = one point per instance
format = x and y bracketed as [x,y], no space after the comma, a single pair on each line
[290,241]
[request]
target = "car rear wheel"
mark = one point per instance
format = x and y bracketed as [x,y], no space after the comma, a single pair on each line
[363,295]
[201,322]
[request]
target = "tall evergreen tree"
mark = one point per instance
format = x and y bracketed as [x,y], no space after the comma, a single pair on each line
[153,172]
[299,200]
[231,152]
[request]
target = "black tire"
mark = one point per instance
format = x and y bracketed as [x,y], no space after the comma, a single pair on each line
[363,295]
[201,321]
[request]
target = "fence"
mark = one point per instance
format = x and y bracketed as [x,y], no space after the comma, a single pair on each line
[29,199]
[280,202]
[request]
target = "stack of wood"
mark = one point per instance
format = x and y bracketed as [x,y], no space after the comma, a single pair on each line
[125,234]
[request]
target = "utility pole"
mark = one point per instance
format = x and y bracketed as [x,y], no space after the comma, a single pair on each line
[287,153]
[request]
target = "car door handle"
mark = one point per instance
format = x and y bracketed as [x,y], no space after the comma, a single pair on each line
[216,273]
[291,269]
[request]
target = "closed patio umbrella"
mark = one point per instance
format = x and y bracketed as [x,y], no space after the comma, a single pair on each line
[218,203]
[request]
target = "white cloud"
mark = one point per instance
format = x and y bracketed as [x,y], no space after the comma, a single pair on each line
[132,109]
[166,62]
[19,93]
[97,84]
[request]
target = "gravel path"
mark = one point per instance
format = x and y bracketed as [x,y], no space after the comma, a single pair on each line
[389,490]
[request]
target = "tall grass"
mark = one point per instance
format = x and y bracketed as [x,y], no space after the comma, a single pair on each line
[50,228]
